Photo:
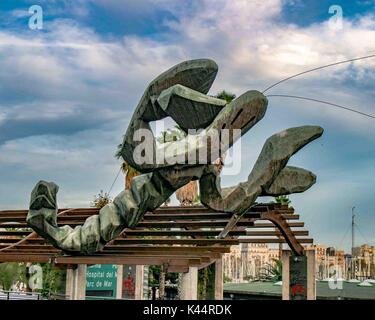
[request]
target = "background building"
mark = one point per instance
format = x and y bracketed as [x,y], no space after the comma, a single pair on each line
[363,262]
[246,261]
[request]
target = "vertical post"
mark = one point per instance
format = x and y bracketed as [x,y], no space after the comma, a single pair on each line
[311,283]
[219,279]
[139,276]
[163,271]
[120,273]
[76,282]
[285,274]
[310,275]
[69,283]
[353,227]
[189,286]
[80,282]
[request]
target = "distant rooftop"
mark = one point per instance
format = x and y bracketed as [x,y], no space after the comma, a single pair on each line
[267,290]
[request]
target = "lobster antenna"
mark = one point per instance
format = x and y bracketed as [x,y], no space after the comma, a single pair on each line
[324,102]
[318,68]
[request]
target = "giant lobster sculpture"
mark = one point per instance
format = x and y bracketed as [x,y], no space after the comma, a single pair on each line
[181,93]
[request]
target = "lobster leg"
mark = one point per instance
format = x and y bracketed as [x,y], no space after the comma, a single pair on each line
[147,192]
[268,177]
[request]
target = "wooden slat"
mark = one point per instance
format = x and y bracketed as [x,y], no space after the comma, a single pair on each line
[275,233]
[41,258]
[151,248]
[170,233]
[128,260]
[174,233]
[178,269]
[7,240]
[162,210]
[37,258]
[185,216]
[177,241]
[15,233]
[130,254]
[291,216]
[271,225]
[254,240]
[148,241]
[189,223]
[153,224]
[178,224]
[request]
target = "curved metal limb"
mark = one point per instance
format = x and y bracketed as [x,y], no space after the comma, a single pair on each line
[268,176]
[233,121]
[180,93]
[197,75]
[147,192]
[189,108]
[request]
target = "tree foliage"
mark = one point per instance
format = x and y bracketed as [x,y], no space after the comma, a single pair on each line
[226,95]
[283,200]
[206,283]
[154,276]
[52,280]
[100,200]
[11,273]
[272,271]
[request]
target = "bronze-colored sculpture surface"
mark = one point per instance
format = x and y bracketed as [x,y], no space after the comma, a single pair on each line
[181,93]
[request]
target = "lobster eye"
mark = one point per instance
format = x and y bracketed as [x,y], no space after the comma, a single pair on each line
[247,123]
[236,117]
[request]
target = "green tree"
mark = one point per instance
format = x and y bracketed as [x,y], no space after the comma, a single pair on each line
[283,200]
[100,200]
[158,277]
[11,273]
[272,271]
[206,283]
[225,95]
[52,280]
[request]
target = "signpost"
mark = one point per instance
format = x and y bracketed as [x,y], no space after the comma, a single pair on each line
[298,277]
[129,278]
[101,281]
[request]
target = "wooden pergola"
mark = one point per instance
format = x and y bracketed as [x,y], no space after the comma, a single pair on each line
[176,237]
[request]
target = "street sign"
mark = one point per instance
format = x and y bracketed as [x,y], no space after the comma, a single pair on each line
[101,281]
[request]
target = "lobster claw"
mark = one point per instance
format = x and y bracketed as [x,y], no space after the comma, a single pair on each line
[269,176]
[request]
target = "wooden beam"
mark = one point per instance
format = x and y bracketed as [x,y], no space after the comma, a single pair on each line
[190,224]
[178,269]
[187,249]
[15,233]
[169,255]
[185,216]
[145,232]
[174,233]
[275,233]
[127,260]
[254,240]
[261,207]
[36,258]
[178,224]
[177,241]
[271,225]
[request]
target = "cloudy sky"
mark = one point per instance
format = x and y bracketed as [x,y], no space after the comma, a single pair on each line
[67,92]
